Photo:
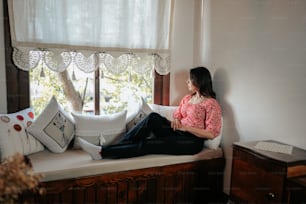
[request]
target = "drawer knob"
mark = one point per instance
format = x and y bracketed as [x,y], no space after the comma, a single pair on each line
[270,196]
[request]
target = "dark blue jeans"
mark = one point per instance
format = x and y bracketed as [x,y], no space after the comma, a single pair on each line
[137,141]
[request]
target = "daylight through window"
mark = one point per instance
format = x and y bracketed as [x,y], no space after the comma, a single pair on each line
[75,89]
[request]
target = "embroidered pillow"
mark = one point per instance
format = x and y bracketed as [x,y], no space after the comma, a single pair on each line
[142,111]
[99,129]
[13,135]
[53,127]
[166,111]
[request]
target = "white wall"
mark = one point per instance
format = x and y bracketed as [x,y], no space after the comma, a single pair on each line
[181,48]
[3,105]
[258,51]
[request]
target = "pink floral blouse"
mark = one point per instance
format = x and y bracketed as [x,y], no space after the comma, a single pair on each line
[206,115]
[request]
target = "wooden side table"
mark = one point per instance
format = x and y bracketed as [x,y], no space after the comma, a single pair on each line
[260,176]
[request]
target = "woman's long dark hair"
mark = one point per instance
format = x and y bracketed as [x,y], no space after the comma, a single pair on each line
[201,78]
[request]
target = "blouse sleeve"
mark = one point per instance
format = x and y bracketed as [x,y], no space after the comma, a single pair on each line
[213,118]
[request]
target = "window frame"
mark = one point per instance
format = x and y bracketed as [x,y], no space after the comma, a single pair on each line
[18,94]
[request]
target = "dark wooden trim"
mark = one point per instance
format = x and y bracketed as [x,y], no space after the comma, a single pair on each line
[97,92]
[161,89]
[17,81]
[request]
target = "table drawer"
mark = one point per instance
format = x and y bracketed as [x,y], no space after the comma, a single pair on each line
[255,180]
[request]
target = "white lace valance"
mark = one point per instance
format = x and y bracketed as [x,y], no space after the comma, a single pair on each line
[59,60]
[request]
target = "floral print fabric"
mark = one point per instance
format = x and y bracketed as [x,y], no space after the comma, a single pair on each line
[204,115]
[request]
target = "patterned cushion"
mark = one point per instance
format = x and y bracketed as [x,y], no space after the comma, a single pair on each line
[13,135]
[142,111]
[54,128]
[166,111]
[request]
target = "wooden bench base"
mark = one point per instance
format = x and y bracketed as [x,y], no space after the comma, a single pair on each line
[194,182]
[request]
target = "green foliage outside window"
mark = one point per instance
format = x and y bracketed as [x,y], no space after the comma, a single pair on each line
[116,90]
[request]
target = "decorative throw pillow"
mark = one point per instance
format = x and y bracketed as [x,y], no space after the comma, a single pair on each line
[99,129]
[166,111]
[53,127]
[142,111]
[215,143]
[132,110]
[13,135]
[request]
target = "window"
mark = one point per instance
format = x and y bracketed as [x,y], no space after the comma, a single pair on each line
[137,28]
[75,89]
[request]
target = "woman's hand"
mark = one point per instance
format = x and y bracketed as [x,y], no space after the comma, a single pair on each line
[176,124]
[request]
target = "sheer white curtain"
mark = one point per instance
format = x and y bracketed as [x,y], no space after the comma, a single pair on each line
[84,31]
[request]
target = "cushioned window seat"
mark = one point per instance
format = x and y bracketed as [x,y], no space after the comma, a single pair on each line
[73,177]
[77,163]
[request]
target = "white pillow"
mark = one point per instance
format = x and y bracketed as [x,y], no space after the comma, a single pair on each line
[53,127]
[166,111]
[13,135]
[215,143]
[132,110]
[99,129]
[141,112]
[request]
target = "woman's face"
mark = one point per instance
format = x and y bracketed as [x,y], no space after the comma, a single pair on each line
[190,86]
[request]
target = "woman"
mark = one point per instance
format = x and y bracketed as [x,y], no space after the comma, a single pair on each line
[197,118]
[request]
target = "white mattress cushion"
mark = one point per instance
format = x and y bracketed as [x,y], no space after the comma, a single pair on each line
[77,163]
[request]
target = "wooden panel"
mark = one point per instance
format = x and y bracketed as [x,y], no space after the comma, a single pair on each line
[188,180]
[78,195]
[112,193]
[132,191]
[179,183]
[168,189]
[141,191]
[151,190]
[160,196]
[67,197]
[101,194]
[122,192]
[90,194]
